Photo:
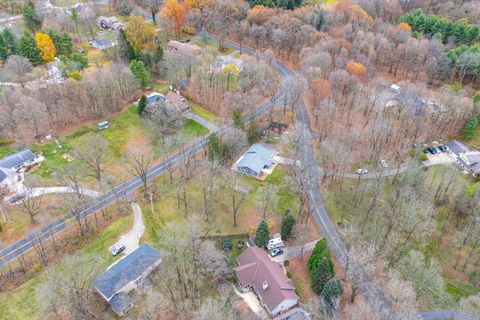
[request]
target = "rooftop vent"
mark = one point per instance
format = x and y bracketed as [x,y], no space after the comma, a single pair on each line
[265,285]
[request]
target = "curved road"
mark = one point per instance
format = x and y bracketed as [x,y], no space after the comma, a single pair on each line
[369,289]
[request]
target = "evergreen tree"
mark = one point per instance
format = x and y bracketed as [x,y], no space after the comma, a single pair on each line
[126,50]
[140,72]
[3,49]
[237,119]
[263,234]
[28,48]
[158,56]
[145,57]
[64,44]
[331,290]
[30,19]
[213,146]
[323,273]
[470,128]
[9,46]
[288,221]
[142,104]
[321,250]
[253,134]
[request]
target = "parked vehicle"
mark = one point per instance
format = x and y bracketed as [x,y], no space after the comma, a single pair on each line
[275,243]
[384,163]
[431,150]
[362,171]
[437,149]
[240,244]
[117,249]
[276,252]
[443,148]
[425,150]
[103,125]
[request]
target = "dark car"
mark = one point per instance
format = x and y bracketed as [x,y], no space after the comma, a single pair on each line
[276,252]
[425,150]
[443,148]
[431,150]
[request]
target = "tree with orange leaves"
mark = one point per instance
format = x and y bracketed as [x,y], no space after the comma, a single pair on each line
[405,27]
[356,68]
[140,34]
[176,13]
[45,45]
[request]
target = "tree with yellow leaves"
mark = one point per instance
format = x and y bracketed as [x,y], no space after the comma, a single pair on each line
[140,34]
[405,27]
[176,13]
[45,46]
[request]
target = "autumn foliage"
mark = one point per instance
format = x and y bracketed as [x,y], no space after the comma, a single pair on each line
[356,68]
[405,27]
[45,45]
[140,34]
[176,12]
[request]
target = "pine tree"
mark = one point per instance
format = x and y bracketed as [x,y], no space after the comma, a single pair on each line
[331,290]
[28,48]
[213,146]
[263,234]
[3,48]
[253,132]
[140,72]
[126,50]
[322,275]
[469,130]
[288,221]
[158,56]
[237,119]
[321,250]
[9,42]
[142,104]
[30,19]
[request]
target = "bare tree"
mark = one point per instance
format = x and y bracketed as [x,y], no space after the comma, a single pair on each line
[139,164]
[237,195]
[210,185]
[267,198]
[31,203]
[92,150]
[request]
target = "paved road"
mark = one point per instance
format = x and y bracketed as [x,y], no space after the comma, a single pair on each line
[447,314]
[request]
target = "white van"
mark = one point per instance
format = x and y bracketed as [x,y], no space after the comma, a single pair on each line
[103,125]
[275,243]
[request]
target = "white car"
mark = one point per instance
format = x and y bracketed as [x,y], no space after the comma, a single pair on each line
[362,171]
[384,163]
[117,249]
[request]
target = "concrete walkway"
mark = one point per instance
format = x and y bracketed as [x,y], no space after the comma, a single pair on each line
[252,302]
[204,122]
[289,253]
[131,240]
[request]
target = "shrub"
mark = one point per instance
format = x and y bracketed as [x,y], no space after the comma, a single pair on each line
[75,75]
[1,227]
[37,267]
[289,275]
[423,157]
[286,263]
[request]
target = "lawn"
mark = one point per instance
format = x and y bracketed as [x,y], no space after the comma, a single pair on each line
[207,115]
[20,303]
[166,208]
[194,129]
[214,45]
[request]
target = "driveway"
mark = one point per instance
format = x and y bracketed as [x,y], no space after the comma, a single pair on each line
[439,158]
[204,122]
[131,240]
[251,300]
[289,253]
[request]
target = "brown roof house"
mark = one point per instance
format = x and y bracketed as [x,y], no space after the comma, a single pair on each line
[266,278]
[174,100]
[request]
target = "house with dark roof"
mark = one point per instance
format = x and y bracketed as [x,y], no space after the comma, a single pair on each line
[115,284]
[468,159]
[255,271]
[20,160]
[256,160]
[455,148]
[174,100]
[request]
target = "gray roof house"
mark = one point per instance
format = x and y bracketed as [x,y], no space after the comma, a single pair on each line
[123,276]
[456,147]
[19,160]
[468,159]
[256,160]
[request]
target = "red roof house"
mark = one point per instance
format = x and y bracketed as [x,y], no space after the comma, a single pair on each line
[266,278]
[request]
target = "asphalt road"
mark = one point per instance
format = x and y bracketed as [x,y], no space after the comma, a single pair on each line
[374,295]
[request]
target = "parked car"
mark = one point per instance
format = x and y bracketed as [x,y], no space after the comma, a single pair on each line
[276,252]
[425,150]
[384,163]
[431,150]
[362,171]
[275,243]
[437,150]
[103,125]
[443,148]
[240,244]
[117,249]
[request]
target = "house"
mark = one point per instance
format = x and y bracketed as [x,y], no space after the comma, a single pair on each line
[256,160]
[414,103]
[20,160]
[110,23]
[255,271]
[125,275]
[184,49]
[175,100]
[155,97]
[469,160]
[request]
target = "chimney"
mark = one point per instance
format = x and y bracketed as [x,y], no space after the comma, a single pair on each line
[265,285]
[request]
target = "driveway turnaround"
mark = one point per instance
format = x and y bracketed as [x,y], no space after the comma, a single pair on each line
[289,253]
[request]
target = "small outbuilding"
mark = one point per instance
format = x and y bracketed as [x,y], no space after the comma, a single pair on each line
[125,275]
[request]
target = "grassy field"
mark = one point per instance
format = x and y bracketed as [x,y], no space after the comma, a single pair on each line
[166,209]
[21,304]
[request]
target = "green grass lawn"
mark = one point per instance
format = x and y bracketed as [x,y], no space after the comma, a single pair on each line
[207,115]
[21,304]
[194,129]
